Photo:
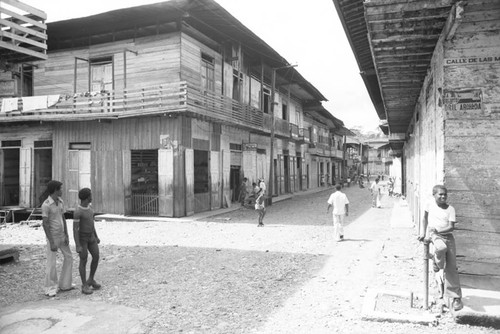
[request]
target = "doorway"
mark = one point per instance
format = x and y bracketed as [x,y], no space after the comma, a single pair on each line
[287,173]
[144,182]
[234,182]
[43,169]
[9,175]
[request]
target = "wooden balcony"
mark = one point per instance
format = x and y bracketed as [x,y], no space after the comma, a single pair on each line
[281,127]
[23,34]
[171,98]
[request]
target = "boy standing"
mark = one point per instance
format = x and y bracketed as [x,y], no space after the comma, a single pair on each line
[86,240]
[56,231]
[438,224]
[340,205]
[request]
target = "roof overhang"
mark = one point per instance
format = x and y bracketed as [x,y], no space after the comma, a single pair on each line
[393,42]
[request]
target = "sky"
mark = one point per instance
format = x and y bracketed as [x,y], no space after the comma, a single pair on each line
[304,32]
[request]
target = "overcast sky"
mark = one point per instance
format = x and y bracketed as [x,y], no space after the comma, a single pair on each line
[305,32]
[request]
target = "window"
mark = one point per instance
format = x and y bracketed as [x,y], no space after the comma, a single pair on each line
[207,72]
[267,100]
[237,85]
[284,111]
[27,80]
[101,74]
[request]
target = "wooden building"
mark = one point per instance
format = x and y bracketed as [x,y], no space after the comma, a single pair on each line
[432,69]
[162,109]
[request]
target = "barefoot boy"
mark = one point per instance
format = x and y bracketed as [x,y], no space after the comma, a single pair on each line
[86,240]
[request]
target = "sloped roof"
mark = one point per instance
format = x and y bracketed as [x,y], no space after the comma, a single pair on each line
[206,16]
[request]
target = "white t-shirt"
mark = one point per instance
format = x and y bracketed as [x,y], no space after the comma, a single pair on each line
[439,218]
[338,199]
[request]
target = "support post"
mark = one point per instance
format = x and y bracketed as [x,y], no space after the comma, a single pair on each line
[426,273]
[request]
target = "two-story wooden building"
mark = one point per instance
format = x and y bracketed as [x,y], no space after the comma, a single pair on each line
[161,110]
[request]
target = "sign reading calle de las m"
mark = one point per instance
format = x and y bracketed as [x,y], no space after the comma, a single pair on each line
[471,60]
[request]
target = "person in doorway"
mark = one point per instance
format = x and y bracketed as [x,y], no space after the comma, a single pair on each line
[259,203]
[438,225]
[243,191]
[86,240]
[56,232]
[375,190]
[338,200]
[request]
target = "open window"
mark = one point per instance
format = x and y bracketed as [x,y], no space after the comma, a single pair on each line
[101,74]
[207,72]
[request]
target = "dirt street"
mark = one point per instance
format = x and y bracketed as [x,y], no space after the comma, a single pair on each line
[226,275]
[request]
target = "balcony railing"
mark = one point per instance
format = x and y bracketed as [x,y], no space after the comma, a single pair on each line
[177,97]
[281,127]
[22,31]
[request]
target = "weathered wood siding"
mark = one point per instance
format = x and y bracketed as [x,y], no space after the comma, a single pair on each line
[157,61]
[111,143]
[472,153]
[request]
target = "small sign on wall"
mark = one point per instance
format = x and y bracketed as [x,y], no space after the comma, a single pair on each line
[463,100]
[249,147]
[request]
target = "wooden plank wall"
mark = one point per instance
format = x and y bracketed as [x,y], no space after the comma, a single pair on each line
[472,153]
[111,143]
[157,61]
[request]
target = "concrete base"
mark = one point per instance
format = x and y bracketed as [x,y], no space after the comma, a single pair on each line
[481,308]
[71,316]
[370,311]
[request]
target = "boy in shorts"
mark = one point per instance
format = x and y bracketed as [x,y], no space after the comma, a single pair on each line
[86,240]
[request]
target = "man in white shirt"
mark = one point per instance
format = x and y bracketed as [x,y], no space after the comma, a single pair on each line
[438,225]
[340,205]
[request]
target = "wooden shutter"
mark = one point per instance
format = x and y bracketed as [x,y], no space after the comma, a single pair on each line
[25,178]
[84,169]
[127,180]
[215,180]
[226,172]
[166,182]
[73,178]
[189,168]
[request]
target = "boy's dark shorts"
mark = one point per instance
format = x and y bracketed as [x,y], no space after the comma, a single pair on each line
[87,239]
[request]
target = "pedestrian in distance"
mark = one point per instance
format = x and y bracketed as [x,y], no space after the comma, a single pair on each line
[243,191]
[438,225]
[375,190]
[260,206]
[86,240]
[338,200]
[56,232]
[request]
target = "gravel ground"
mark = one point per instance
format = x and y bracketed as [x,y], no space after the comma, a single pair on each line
[225,275]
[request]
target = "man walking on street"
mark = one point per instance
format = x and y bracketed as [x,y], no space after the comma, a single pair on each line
[340,205]
[56,231]
[438,225]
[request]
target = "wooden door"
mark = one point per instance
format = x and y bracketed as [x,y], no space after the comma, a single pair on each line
[25,177]
[226,177]
[73,178]
[189,170]
[127,180]
[166,182]
[215,180]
